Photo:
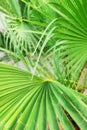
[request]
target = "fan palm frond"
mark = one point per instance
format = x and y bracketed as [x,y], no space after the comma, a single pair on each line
[38,103]
[72,30]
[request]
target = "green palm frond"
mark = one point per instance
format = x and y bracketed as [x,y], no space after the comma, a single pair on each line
[37,103]
[72,30]
[69,36]
[10,7]
[26,31]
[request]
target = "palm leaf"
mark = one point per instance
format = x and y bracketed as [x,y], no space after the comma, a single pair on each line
[10,7]
[38,103]
[72,30]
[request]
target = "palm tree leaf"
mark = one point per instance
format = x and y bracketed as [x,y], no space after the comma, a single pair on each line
[10,7]
[38,103]
[72,29]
